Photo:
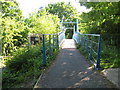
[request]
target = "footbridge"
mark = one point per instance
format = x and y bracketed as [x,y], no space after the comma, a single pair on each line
[71,69]
[89,42]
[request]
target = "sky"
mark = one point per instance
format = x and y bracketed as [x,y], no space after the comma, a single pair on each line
[29,6]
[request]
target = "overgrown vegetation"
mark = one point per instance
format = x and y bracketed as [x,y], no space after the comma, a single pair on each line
[26,65]
[104,19]
[109,57]
[66,12]
[15,29]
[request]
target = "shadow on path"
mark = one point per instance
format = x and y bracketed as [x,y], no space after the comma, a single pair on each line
[71,70]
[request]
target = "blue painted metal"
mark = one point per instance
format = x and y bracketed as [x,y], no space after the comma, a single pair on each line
[91,45]
[98,56]
[53,42]
[69,22]
[88,46]
[57,43]
[44,50]
[50,48]
[61,37]
[74,30]
[50,45]
[77,30]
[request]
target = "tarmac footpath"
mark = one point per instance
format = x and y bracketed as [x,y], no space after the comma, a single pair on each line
[72,70]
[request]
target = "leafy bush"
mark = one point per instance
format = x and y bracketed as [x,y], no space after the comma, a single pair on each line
[26,63]
[104,21]
[15,29]
[109,56]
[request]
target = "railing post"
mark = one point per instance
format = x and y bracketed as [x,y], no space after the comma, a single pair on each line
[53,42]
[91,43]
[50,49]
[57,42]
[74,30]
[29,40]
[77,25]
[81,40]
[86,43]
[98,51]
[44,50]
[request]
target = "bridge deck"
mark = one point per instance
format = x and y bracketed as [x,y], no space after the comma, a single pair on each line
[71,70]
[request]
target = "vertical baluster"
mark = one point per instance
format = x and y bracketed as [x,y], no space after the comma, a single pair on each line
[98,53]
[74,30]
[50,49]
[57,42]
[86,43]
[44,50]
[91,43]
[53,42]
[81,40]
[77,25]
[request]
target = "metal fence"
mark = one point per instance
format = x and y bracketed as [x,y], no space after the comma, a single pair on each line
[91,43]
[51,42]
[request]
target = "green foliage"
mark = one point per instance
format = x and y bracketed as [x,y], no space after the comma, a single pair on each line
[22,66]
[25,65]
[23,58]
[110,57]
[10,9]
[13,35]
[61,9]
[14,32]
[46,24]
[64,11]
[104,19]
[15,29]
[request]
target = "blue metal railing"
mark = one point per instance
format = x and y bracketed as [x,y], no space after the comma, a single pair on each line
[51,42]
[91,43]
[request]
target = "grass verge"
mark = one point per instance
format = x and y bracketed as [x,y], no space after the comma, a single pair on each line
[109,56]
[23,70]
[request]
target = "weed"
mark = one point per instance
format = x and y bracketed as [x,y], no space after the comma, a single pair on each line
[25,65]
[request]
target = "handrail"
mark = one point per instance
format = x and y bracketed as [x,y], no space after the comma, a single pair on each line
[88,43]
[50,43]
[91,34]
[54,41]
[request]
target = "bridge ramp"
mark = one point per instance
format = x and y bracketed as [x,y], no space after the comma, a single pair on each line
[72,70]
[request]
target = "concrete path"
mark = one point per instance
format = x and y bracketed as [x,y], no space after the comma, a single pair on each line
[113,74]
[71,70]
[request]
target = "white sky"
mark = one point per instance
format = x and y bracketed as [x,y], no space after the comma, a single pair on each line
[29,6]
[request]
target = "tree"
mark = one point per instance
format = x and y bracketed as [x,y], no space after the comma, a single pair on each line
[43,22]
[103,19]
[61,9]
[10,9]
[13,27]
[64,10]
